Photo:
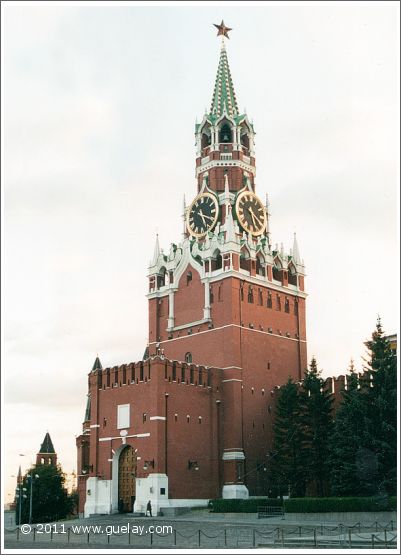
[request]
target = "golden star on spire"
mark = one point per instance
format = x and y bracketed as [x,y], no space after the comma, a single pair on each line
[223,30]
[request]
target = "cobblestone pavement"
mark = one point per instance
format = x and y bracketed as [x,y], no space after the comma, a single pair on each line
[192,532]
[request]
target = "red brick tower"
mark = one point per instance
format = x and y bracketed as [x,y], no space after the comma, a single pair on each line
[192,421]
[224,297]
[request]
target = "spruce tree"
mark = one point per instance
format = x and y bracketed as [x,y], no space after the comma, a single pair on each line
[316,414]
[348,438]
[50,499]
[382,408]
[287,470]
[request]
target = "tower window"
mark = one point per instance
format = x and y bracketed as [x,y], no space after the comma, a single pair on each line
[250,295]
[242,291]
[296,308]
[260,297]
[200,376]
[183,371]
[174,372]
[276,273]
[278,302]
[287,306]
[191,375]
[188,358]
[240,471]
[144,417]
[269,300]
[225,135]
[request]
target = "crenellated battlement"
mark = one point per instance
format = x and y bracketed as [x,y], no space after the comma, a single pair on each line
[135,373]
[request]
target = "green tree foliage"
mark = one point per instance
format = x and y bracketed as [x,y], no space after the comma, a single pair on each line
[50,499]
[382,408]
[317,418]
[349,436]
[363,454]
[287,468]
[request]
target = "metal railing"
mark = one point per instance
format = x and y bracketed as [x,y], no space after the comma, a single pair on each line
[375,536]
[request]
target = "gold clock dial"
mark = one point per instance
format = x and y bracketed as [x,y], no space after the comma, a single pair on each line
[202,214]
[251,213]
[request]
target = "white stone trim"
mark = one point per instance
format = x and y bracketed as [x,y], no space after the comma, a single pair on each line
[196,323]
[188,502]
[157,418]
[119,437]
[232,380]
[235,491]
[232,368]
[233,456]
[229,326]
[225,163]
[94,426]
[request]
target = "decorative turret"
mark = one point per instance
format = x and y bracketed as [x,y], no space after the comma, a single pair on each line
[47,455]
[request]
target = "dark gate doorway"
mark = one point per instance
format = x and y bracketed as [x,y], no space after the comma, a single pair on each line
[126,480]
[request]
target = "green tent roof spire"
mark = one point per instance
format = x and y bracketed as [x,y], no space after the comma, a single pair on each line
[47,445]
[224,95]
[97,365]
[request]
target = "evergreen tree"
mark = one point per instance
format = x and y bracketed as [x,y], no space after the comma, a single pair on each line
[382,408]
[50,499]
[287,470]
[316,416]
[348,438]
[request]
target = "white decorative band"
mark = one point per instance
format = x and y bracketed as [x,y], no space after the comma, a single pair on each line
[157,418]
[232,380]
[94,426]
[119,437]
[233,456]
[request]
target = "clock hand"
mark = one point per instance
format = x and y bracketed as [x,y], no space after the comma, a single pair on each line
[254,216]
[202,216]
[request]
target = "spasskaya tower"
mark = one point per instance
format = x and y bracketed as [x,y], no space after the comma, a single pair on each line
[224,296]
[193,420]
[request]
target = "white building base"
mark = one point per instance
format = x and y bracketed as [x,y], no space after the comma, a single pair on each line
[154,488]
[98,497]
[235,491]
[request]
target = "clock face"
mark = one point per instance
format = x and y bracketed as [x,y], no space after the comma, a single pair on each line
[251,213]
[202,214]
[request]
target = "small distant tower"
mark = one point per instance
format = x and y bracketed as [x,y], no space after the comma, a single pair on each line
[47,454]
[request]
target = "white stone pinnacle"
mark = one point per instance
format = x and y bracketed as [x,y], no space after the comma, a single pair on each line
[156,252]
[295,251]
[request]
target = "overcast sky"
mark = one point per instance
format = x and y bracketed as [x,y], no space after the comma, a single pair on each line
[99,106]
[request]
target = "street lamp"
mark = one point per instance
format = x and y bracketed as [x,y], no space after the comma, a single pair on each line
[19,494]
[31,495]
